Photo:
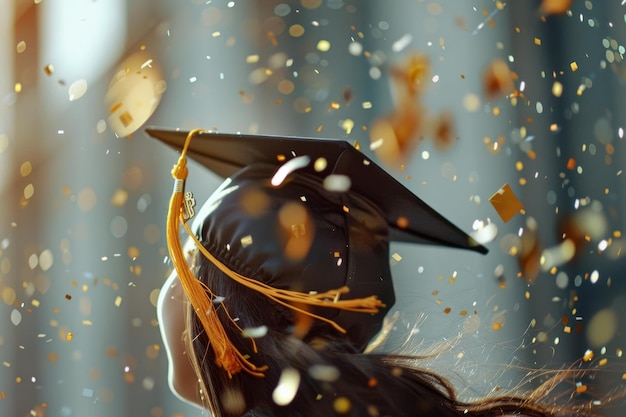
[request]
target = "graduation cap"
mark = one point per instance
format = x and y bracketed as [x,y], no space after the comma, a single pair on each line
[333,251]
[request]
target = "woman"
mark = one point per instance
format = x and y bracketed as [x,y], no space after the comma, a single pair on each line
[289,281]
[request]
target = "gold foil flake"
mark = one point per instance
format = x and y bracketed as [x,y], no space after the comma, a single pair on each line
[246,241]
[26,168]
[296,30]
[557,89]
[118,301]
[342,405]
[119,197]
[555,6]
[506,203]
[588,355]
[323,45]
[29,191]
[497,79]
[573,66]
[443,132]
[320,164]
[334,105]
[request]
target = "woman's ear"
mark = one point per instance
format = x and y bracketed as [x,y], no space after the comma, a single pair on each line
[171,306]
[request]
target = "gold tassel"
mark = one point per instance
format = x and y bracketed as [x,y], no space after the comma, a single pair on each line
[201,298]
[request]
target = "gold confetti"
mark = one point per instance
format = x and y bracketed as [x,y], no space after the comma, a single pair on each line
[323,46]
[342,405]
[557,89]
[497,80]
[296,30]
[555,6]
[505,202]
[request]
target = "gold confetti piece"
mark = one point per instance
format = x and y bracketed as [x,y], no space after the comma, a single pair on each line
[573,66]
[69,336]
[246,241]
[347,125]
[497,79]
[323,46]
[296,30]
[557,89]
[25,169]
[443,132]
[119,198]
[506,203]
[411,78]
[580,388]
[18,87]
[126,118]
[537,41]
[118,301]
[555,6]
[342,405]
[588,355]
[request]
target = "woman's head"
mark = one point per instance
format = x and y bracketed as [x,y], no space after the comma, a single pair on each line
[297,250]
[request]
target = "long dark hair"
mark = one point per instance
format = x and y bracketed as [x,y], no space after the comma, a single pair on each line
[332,377]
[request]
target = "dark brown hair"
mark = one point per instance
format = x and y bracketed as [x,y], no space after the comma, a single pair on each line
[352,384]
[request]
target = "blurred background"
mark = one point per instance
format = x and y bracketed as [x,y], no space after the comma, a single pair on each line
[503,116]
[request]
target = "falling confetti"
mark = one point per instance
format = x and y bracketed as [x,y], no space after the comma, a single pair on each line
[505,202]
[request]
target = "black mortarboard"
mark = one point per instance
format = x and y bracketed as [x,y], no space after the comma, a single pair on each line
[409,218]
[351,227]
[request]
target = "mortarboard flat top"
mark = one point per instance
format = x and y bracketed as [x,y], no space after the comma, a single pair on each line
[409,218]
